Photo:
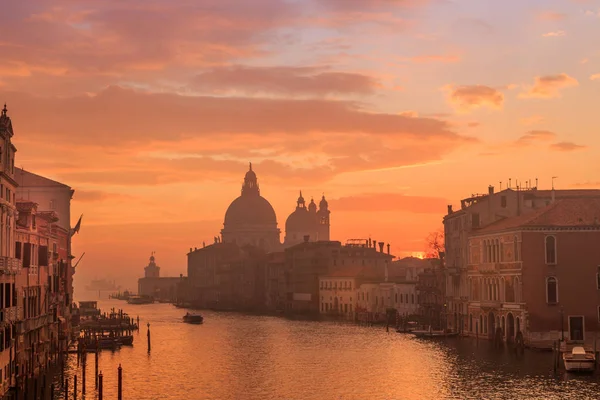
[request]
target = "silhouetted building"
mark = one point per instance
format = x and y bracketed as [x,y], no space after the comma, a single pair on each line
[307,221]
[153,285]
[226,276]
[250,219]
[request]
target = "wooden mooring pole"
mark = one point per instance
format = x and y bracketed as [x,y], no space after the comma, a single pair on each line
[120,384]
[74,388]
[52,391]
[83,375]
[100,386]
[66,388]
[148,337]
[96,367]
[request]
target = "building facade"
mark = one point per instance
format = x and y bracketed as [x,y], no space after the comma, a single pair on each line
[536,277]
[155,286]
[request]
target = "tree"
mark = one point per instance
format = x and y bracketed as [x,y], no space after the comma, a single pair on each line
[434,244]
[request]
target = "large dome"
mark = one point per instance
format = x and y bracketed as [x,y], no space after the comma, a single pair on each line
[250,210]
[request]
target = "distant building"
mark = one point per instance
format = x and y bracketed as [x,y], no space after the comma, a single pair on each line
[307,221]
[226,276]
[538,275]
[250,219]
[307,261]
[275,281]
[431,289]
[153,285]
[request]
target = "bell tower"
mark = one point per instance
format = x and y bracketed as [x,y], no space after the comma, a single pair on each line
[323,219]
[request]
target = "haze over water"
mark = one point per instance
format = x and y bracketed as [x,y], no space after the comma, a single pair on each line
[234,356]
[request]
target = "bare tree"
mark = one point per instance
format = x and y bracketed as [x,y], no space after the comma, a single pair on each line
[434,244]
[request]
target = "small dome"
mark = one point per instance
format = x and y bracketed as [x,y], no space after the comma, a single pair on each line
[300,221]
[323,203]
[312,207]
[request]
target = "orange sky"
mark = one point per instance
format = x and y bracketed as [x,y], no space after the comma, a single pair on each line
[152,109]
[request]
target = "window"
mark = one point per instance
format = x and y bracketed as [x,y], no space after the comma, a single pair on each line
[598,313]
[412,298]
[516,249]
[503,201]
[396,298]
[550,249]
[52,207]
[598,277]
[475,220]
[551,290]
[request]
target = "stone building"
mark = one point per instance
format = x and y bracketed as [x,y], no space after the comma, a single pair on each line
[153,285]
[307,261]
[307,221]
[276,281]
[225,276]
[431,289]
[250,218]
[538,275]
[477,212]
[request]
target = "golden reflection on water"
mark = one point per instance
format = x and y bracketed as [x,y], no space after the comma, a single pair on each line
[233,356]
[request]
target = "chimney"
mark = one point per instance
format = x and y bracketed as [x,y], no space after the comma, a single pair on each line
[491,190]
[306,238]
[449,209]
[374,243]
[369,242]
[388,248]
[381,244]
[195,248]
[510,183]
[190,249]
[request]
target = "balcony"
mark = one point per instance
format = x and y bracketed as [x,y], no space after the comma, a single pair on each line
[31,324]
[489,268]
[488,304]
[10,265]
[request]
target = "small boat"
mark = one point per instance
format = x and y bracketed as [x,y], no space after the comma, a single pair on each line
[140,300]
[430,333]
[193,318]
[579,360]
[126,340]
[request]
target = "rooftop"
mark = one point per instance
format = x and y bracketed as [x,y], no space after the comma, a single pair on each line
[565,213]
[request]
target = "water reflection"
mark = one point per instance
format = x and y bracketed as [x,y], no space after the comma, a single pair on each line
[233,356]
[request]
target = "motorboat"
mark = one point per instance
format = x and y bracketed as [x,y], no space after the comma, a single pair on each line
[409,327]
[125,340]
[579,360]
[193,318]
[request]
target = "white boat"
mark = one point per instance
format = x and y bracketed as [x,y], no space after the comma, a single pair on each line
[430,333]
[579,360]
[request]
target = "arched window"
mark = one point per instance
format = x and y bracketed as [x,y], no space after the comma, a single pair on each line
[516,249]
[551,290]
[489,247]
[497,246]
[396,298]
[470,322]
[550,249]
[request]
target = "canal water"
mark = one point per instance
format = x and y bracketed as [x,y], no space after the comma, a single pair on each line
[234,356]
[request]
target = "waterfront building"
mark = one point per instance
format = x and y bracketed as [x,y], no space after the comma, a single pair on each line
[226,276]
[431,289]
[250,218]
[538,275]
[307,261]
[307,221]
[338,291]
[155,286]
[275,275]
[477,212]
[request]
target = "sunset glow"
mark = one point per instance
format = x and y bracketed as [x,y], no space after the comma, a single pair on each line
[152,109]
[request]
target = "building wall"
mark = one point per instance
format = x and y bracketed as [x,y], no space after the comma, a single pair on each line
[164,288]
[576,269]
[338,296]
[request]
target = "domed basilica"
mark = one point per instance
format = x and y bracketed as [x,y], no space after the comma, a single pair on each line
[251,220]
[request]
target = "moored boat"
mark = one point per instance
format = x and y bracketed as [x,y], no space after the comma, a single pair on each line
[579,360]
[126,340]
[140,300]
[430,333]
[193,318]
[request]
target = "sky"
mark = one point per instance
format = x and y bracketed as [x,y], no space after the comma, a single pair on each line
[152,109]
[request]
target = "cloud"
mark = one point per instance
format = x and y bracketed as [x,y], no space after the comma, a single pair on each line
[566,146]
[444,59]
[554,34]
[595,77]
[282,80]
[117,116]
[533,120]
[533,136]
[382,202]
[466,98]
[88,196]
[547,87]
[551,16]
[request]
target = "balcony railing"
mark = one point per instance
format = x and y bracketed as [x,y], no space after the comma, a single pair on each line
[31,324]
[10,265]
[489,268]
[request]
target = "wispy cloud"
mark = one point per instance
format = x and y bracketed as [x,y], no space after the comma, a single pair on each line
[535,136]
[595,77]
[551,16]
[566,146]
[468,97]
[554,34]
[546,87]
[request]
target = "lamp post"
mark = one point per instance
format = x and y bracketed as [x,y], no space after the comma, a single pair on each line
[562,324]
